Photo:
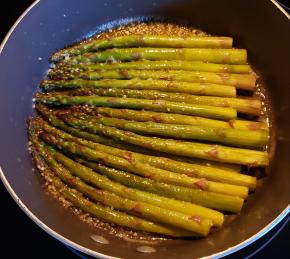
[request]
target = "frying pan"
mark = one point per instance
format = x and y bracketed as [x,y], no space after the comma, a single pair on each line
[260,26]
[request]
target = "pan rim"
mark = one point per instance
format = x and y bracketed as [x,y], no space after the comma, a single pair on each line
[91,252]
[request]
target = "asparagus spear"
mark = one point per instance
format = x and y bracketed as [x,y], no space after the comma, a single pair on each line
[246,82]
[169,190]
[243,105]
[224,56]
[145,41]
[156,105]
[169,118]
[50,115]
[106,213]
[190,149]
[144,210]
[210,173]
[207,199]
[163,64]
[161,85]
[171,177]
[104,183]
[234,137]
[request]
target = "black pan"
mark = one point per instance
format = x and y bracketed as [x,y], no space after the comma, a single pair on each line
[260,26]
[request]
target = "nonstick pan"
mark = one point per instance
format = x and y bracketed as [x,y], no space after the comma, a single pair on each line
[260,26]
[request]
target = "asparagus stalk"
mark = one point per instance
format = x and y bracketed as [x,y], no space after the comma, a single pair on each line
[163,64]
[189,149]
[169,190]
[207,199]
[170,118]
[173,177]
[50,115]
[243,105]
[144,41]
[234,137]
[210,173]
[161,85]
[106,213]
[104,183]
[245,81]
[224,56]
[144,210]
[156,105]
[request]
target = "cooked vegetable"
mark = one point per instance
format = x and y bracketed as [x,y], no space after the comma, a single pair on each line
[191,149]
[193,170]
[104,212]
[161,85]
[244,81]
[144,210]
[232,137]
[50,115]
[145,41]
[211,200]
[155,105]
[169,118]
[162,64]
[243,105]
[224,56]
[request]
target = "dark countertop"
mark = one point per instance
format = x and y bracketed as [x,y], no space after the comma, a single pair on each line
[21,237]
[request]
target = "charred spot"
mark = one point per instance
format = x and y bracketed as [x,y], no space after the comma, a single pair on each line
[226,59]
[137,222]
[103,159]
[147,145]
[231,123]
[72,181]
[136,56]
[124,73]
[213,152]
[196,219]
[127,190]
[167,78]
[202,184]
[151,176]
[136,209]
[220,132]
[192,173]
[157,118]
[128,156]
[224,77]
[253,126]
[112,101]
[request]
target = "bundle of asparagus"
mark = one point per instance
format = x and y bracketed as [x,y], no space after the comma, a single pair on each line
[169,161]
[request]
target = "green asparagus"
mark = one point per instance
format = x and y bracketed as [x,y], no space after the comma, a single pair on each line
[243,105]
[106,213]
[224,56]
[104,183]
[50,115]
[169,118]
[189,149]
[245,81]
[144,210]
[161,85]
[207,199]
[199,171]
[233,137]
[144,41]
[162,64]
[156,105]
